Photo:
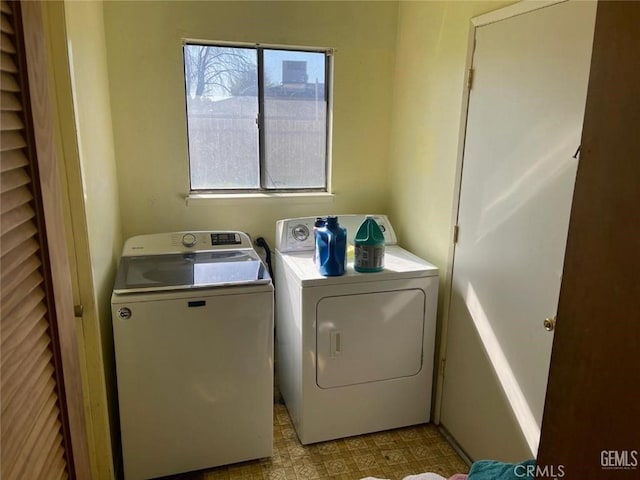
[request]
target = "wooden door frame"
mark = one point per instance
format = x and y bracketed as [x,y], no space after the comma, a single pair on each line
[104,464]
[58,283]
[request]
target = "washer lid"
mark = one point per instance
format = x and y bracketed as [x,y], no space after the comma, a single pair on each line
[150,273]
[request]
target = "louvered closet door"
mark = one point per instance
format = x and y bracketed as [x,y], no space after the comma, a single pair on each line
[32,428]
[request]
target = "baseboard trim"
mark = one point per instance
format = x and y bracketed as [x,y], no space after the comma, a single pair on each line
[452,441]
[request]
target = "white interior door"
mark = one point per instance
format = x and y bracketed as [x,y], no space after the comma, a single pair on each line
[524,123]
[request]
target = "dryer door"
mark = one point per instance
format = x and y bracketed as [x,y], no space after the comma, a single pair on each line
[369,337]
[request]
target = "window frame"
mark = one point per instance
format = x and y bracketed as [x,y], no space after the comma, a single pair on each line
[260,48]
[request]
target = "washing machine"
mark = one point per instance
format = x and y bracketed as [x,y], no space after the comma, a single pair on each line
[193,335]
[354,353]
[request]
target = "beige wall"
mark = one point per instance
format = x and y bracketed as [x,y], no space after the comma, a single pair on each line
[87,48]
[429,80]
[147,94]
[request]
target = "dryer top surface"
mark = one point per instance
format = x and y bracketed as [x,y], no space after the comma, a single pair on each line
[398,264]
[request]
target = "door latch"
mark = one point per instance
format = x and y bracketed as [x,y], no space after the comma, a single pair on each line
[549,323]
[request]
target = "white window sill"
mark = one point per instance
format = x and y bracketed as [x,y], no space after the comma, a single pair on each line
[303,198]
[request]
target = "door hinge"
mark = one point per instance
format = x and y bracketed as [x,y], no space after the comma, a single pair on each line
[470,79]
[576,155]
[78,310]
[456,231]
[442,364]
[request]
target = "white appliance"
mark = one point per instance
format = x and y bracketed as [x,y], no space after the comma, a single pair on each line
[354,352]
[193,333]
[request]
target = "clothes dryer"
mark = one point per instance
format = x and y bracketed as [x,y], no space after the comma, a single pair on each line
[354,353]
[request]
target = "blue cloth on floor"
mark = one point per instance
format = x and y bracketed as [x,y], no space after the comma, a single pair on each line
[492,470]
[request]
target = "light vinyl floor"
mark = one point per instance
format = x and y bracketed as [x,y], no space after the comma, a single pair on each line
[392,455]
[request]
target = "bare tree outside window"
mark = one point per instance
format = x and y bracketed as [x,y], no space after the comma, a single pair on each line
[254,128]
[212,71]
[222,109]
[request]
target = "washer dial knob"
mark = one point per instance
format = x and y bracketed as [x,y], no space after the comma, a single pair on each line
[300,232]
[189,240]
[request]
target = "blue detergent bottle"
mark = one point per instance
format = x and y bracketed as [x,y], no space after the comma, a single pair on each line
[320,222]
[369,247]
[331,247]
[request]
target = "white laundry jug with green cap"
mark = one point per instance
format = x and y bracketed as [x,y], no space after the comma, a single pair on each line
[369,247]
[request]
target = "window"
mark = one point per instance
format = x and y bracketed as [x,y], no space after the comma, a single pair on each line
[256,118]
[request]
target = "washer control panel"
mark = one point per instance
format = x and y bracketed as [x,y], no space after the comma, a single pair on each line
[225,238]
[179,242]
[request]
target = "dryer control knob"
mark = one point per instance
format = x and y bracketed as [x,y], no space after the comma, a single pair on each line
[189,240]
[300,232]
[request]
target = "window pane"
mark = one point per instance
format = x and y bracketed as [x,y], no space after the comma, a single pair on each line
[222,107]
[295,108]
